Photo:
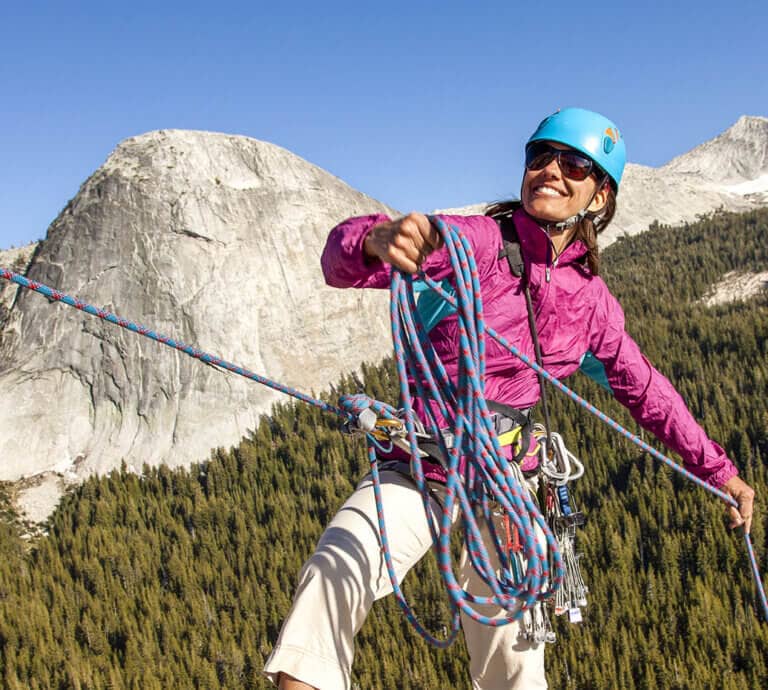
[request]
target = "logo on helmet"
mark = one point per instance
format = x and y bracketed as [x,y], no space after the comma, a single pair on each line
[610,139]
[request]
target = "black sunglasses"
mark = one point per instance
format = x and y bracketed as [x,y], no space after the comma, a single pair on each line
[574,165]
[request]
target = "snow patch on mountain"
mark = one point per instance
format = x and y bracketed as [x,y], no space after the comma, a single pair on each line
[757,186]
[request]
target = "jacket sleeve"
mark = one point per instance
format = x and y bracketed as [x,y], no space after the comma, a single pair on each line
[344,264]
[651,399]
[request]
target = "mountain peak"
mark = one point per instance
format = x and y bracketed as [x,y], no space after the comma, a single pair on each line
[183,158]
[747,127]
[748,121]
[212,238]
[739,154]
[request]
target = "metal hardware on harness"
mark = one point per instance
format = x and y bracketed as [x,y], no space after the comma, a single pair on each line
[557,462]
[558,468]
[509,431]
[536,625]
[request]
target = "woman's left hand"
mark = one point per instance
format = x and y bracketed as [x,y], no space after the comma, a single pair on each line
[744,495]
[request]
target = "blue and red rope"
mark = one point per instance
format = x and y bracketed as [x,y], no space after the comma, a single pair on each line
[476,469]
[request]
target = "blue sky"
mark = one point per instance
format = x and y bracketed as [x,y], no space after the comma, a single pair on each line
[419,104]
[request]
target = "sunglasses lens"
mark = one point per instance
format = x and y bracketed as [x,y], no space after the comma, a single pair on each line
[574,165]
[538,156]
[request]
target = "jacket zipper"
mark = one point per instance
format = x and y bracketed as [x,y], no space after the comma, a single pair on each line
[551,263]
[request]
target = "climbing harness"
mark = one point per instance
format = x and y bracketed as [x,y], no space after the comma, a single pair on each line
[478,475]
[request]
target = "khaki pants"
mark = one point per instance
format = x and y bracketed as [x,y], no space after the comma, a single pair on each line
[347,573]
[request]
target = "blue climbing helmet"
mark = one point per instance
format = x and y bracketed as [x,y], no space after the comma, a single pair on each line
[591,134]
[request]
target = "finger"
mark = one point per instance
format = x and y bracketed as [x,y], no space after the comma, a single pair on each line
[744,495]
[419,221]
[415,228]
[401,259]
[430,235]
[421,230]
[393,243]
[735,518]
[407,244]
[745,512]
[433,237]
[746,506]
[740,518]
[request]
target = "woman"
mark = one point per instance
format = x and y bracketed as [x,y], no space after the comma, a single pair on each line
[574,162]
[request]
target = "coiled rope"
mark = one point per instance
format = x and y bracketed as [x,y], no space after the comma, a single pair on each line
[477,472]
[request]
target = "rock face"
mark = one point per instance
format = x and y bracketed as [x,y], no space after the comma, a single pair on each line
[736,287]
[16,260]
[212,239]
[729,171]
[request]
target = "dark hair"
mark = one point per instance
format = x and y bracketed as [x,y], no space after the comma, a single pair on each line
[587,229]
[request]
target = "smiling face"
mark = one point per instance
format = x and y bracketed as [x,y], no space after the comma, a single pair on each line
[550,196]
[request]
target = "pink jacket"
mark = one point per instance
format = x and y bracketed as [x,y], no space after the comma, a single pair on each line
[575,313]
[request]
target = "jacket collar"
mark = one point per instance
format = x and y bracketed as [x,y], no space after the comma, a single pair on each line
[537,245]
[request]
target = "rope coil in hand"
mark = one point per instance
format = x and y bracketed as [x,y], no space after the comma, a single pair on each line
[477,473]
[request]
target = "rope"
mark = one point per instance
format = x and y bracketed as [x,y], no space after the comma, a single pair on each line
[477,472]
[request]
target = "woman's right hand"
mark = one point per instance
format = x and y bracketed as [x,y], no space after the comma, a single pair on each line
[404,243]
[744,495]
